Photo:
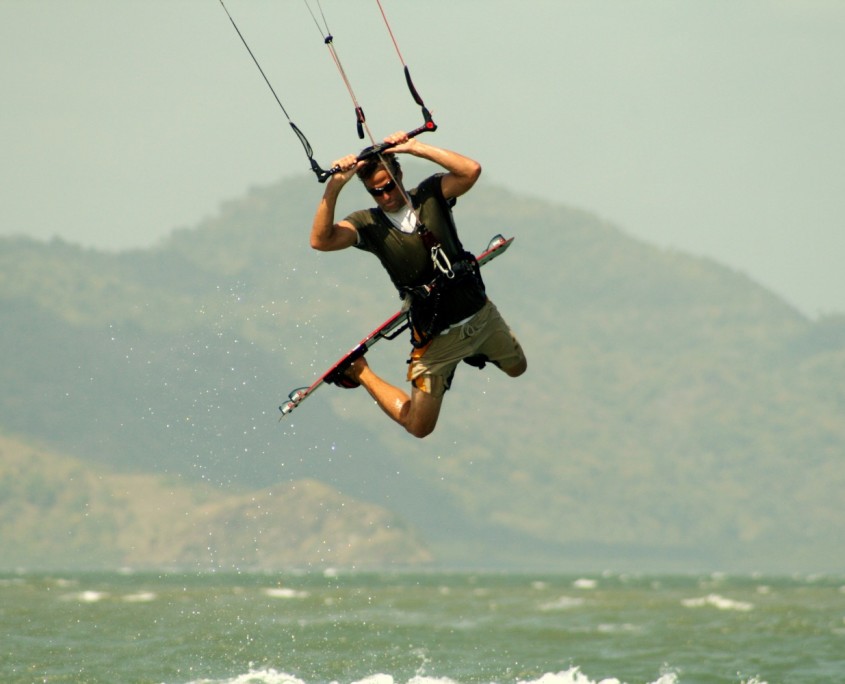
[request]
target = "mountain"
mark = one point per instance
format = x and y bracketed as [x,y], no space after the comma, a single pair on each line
[675,414]
[57,513]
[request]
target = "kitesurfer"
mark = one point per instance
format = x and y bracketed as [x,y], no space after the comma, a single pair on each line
[413,235]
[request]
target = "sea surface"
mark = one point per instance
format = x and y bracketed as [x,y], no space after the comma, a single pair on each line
[419,628]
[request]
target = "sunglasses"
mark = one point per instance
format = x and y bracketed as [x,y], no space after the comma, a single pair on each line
[387,187]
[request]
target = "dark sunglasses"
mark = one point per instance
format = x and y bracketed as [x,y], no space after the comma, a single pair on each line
[387,187]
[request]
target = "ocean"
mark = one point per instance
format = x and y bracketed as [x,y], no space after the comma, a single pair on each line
[419,628]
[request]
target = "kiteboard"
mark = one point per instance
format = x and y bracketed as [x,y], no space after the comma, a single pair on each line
[388,330]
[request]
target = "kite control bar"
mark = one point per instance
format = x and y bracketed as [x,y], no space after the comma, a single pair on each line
[322,174]
[372,150]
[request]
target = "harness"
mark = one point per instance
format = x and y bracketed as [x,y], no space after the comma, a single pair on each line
[425,309]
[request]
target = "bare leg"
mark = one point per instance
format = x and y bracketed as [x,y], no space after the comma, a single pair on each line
[417,414]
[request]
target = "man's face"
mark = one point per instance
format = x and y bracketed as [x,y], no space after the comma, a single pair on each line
[385,190]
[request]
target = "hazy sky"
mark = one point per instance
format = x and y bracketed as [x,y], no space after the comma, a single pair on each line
[712,127]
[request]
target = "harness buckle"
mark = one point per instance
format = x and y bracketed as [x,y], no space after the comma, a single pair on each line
[441,262]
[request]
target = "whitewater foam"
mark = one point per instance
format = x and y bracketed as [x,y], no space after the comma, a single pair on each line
[562,603]
[717,601]
[571,676]
[285,593]
[88,596]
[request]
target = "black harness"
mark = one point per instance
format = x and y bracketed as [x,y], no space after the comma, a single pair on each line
[425,308]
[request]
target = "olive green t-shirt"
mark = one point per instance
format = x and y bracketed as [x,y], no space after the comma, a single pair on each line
[407,260]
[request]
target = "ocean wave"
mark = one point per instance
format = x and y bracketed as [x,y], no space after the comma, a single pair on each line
[285,593]
[717,601]
[95,596]
[88,596]
[255,677]
[574,676]
[562,603]
[571,676]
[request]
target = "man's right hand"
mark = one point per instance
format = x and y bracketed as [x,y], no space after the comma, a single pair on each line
[326,235]
[348,165]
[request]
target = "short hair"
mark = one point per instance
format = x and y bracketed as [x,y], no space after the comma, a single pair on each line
[372,164]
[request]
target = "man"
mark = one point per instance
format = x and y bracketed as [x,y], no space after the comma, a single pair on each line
[414,237]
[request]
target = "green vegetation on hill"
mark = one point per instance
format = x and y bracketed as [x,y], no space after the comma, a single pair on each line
[675,415]
[57,513]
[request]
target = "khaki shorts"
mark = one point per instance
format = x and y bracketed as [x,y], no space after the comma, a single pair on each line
[432,367]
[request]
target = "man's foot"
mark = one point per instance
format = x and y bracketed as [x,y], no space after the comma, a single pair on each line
[478,361]
[340,379]
[346,374]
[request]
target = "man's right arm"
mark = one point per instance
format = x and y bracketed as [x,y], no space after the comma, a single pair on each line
[326,234]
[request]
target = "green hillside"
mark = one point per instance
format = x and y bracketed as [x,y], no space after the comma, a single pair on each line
[57,513]
[675,414]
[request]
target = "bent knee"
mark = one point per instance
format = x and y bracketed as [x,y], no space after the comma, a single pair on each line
[518,369]
[420,431]
[420,426]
